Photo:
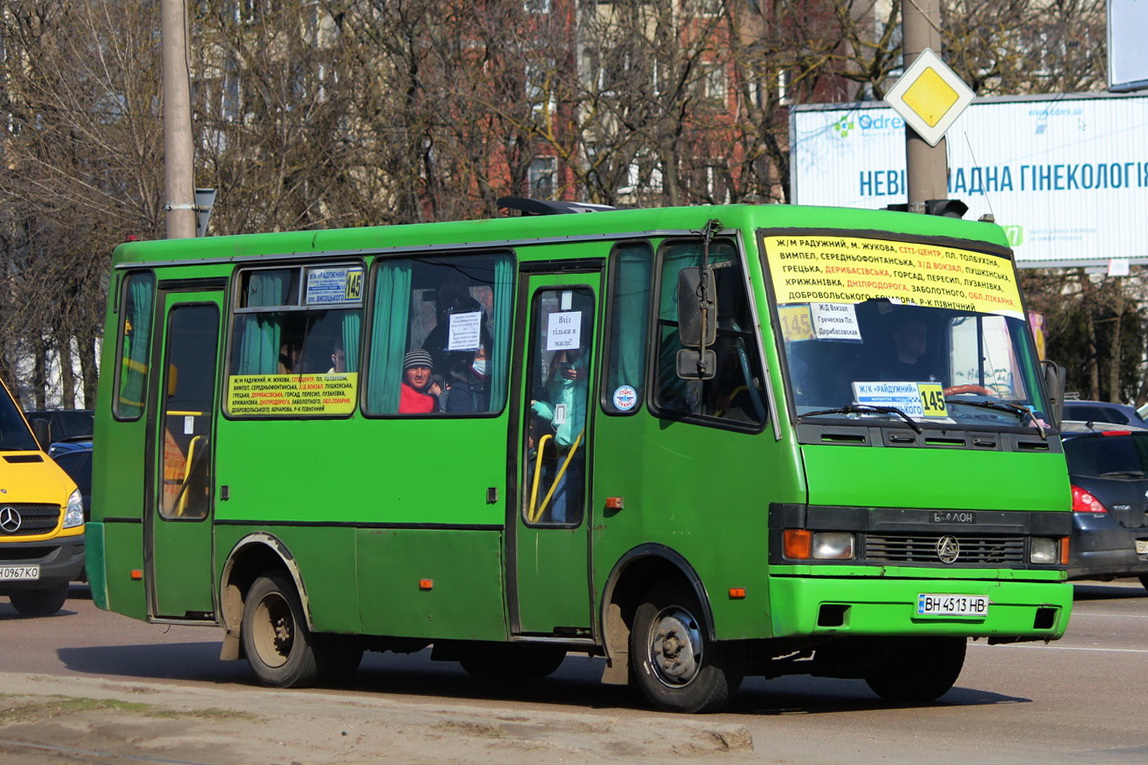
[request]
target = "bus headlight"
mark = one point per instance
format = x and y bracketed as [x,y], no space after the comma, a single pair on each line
[1043,550]
[802,544]
[832,545]
[74,515]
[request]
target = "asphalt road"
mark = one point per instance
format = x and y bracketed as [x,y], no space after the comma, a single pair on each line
[1078,700]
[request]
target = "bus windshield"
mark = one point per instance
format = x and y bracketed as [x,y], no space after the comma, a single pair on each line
[892,331]
[935,365]
[14,433]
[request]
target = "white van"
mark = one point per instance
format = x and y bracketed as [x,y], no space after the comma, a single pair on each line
[41,519]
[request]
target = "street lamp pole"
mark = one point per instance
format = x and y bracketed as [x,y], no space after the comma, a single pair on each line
[179,173]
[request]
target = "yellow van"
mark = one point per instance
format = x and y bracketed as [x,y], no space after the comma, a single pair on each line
[41,519]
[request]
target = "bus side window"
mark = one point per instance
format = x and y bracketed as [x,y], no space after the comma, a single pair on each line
[296,321]
[136,311]
[457,311]
[631,272]
[735,395]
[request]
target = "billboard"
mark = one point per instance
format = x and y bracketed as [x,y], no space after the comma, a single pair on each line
[1066,176]
[1127,56]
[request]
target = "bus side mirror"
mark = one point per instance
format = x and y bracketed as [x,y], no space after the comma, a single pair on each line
[42,430]
[1054,380]
[693,365]
[697,307]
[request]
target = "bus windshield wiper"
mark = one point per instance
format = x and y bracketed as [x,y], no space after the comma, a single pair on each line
[1003,406]
[867,409]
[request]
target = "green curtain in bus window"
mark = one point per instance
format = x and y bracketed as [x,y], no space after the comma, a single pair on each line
[259,333]
[629,319]
[139,296]
[389,336]
[352,323]
[500,354]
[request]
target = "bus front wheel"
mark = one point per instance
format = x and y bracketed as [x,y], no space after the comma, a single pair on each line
[276,639]
[676,664]
[918,670]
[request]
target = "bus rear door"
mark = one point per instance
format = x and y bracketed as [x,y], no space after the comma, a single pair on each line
[178,534]
[550,591]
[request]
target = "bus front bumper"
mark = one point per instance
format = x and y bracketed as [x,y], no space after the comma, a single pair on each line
[803,606]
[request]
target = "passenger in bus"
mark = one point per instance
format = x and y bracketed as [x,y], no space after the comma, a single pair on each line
[566,412]
[289,354]
[451,299]
[466,387]
[910,361]
[420,393]
[338,359]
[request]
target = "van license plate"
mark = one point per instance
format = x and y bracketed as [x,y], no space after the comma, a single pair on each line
[976,606]
[19,573]
[1142,546]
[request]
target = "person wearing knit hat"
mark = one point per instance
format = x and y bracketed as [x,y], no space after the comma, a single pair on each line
[419,394]
[417,357]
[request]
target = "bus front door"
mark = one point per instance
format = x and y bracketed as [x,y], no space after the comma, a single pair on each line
[178,533]
[550,591]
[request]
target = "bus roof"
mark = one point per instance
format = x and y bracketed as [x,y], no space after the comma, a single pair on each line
[533,228]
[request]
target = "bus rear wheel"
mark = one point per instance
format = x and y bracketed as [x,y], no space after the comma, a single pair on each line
[918,670]
[676,664]
[279,646]
[40,602]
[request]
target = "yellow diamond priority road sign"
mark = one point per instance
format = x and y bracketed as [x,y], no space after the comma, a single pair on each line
[929,97]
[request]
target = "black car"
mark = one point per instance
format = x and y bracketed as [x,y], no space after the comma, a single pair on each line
[1108,467]
[64,425]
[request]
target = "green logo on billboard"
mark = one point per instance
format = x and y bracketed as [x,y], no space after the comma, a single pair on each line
[1015,235]
[843,126]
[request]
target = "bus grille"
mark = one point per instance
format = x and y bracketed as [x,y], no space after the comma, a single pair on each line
[923,549]
[34,519]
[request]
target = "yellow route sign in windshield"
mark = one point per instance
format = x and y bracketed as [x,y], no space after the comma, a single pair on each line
[851,269]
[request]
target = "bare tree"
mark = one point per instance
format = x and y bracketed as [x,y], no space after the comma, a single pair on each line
[81,173]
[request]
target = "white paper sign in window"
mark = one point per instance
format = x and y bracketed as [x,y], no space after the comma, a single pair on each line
[564,331]
[465,331]
[835,321]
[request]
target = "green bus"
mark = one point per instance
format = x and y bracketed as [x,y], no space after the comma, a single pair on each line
[701,443]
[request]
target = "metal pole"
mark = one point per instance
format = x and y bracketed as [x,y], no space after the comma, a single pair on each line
[927,167]
[179,173]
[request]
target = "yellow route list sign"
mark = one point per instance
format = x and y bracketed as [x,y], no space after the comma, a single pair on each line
[848,269]
[331,393]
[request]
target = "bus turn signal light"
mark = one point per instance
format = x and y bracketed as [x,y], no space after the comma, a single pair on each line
[426,584]
[137,574]
[797,544]
[614,503]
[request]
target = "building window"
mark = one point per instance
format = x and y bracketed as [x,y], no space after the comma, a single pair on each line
[541,177]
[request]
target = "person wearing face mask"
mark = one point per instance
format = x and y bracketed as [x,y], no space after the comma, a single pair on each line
[565,410]
[467,387]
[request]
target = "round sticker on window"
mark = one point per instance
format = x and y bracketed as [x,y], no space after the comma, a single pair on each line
[625,398]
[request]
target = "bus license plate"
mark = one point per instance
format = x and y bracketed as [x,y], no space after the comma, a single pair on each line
[953,605]
[1142,546]
[19,573]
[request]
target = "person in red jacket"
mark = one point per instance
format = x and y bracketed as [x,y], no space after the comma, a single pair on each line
[419,393]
